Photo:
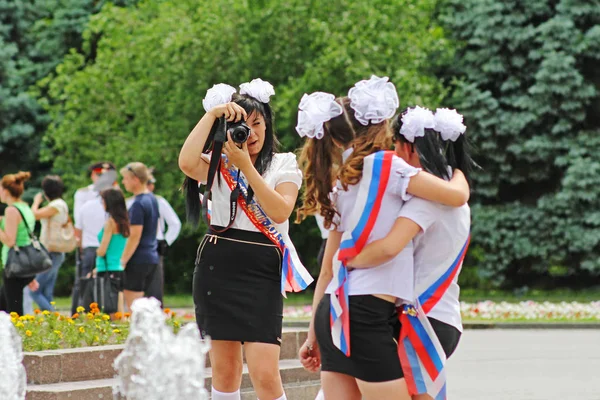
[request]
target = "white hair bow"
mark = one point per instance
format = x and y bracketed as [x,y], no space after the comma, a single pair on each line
[373,100]
[314,110]
[415,121]
[259,89]
[218,94]
[449,123]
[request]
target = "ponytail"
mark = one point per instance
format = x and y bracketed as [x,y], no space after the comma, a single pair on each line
[317,163]
[192,200]
[458,154]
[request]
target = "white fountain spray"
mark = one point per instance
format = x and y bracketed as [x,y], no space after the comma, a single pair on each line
[157,364]
[13,379]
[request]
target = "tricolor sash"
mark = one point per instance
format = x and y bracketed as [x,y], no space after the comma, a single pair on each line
[294,276]
[376,174]
[421,353]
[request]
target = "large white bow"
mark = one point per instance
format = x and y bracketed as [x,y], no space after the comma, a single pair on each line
[449,123]
[373,100]
[218,94]
[259,89]
[314,110]
[415,121]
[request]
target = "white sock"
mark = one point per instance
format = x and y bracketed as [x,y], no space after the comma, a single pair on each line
[216,395]
[320,395]
[279,398]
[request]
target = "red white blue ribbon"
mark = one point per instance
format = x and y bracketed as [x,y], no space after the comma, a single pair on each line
[421,353]
[377,169]
[294,276]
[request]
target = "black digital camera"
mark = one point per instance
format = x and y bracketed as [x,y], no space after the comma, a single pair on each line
[239,131]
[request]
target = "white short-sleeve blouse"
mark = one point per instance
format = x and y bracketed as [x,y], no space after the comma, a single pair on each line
[283,169]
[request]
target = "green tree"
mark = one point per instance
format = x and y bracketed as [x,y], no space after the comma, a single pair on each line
[142,94]
[34,37]
[527,82]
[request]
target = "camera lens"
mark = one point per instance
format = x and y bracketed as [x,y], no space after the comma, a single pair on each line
[239,132]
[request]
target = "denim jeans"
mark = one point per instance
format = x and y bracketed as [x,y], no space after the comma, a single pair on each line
[47,280]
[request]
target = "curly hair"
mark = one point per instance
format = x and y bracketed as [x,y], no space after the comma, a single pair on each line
[322,166]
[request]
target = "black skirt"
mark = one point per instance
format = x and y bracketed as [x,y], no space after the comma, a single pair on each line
[373,345]
[237,287]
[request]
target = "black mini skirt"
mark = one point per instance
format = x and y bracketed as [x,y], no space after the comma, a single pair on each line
[237,287]
[373,345]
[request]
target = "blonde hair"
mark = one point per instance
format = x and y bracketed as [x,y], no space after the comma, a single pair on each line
[137,169]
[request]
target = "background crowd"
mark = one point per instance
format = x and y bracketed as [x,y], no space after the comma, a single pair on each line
[124,240]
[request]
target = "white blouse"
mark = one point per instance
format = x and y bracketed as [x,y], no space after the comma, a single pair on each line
[283,168]
[444,233]
[395,277]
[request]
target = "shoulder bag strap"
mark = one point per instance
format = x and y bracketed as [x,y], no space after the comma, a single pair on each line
[29,231]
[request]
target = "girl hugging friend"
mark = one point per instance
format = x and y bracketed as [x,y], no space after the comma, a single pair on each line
[353,335]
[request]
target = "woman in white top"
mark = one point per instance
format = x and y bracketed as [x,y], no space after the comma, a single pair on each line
[439,234]
[52,218]
[241,271]
[359,360]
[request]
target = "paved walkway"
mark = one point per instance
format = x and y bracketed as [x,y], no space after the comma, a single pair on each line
[526,365]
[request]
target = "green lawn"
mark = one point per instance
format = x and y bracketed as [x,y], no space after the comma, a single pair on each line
[467,295]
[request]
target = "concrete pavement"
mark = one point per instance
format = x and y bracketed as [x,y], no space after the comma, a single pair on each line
[526,365]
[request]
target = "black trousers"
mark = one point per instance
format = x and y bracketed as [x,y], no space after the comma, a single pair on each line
[156,288]
[11,294]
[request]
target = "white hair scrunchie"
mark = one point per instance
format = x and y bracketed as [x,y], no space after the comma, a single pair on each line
[314,110]
[415,121]
[449,123]
[218,94]
[259,89]
[373,100]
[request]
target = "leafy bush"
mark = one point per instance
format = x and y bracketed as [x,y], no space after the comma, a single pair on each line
[526,78]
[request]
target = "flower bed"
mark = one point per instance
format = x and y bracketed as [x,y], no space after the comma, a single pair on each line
[505,311]
[47,330]
[531,311]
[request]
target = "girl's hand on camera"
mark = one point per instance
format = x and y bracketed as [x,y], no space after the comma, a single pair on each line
[238,157]
[232,112]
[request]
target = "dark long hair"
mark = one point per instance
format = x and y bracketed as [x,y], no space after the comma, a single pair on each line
[262,163]
[116,208]
[435,154]
[319,164]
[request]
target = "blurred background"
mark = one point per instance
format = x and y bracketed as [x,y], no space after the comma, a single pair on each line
[84,81]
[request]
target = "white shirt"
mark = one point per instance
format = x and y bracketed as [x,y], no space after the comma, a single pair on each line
[82,196]
[169,224]
[283,168]
[395,277]
[91,220]
[444,233]
[324,231]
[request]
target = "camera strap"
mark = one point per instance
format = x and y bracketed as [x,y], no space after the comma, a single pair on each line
[213,169]
[233,204]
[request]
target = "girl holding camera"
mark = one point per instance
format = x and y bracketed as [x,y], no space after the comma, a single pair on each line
[351,336]
[245,263]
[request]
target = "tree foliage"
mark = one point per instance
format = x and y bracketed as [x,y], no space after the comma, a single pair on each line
[527,80]
[142,93]
[34,37]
